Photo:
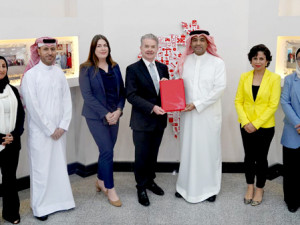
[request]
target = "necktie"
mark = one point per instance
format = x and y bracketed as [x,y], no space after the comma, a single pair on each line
[154,77]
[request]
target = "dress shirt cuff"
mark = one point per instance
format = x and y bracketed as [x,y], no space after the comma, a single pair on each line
[64,125]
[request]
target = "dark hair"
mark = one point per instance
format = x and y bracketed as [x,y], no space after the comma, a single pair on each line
[1,57]
[93,59]
[297,52]
[260,48]
[5,80]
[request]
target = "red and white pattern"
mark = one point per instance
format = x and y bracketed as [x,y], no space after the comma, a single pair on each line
[169,54]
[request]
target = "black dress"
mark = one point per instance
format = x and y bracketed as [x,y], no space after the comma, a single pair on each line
[9,158]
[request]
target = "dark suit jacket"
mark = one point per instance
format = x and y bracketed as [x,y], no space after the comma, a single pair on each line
[141,93]
[19,128]
[93,92]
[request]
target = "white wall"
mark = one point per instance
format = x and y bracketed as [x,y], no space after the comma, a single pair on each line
[289,8]
[265,25]
[236,25]
[31,19]
[164,18]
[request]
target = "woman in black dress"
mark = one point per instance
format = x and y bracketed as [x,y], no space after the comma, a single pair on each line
[11,128]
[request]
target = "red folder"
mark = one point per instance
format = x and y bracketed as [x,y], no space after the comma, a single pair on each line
[172,95]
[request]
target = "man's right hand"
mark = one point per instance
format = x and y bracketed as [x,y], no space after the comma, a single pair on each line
[298,128]
[158,110]
[57,133]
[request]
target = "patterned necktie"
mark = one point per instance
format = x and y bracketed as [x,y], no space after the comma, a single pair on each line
[154,77]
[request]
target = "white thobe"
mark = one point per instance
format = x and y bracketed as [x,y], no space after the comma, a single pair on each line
[48,102]
[201,164]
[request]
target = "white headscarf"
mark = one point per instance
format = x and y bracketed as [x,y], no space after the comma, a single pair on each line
[297,63]
[13,104]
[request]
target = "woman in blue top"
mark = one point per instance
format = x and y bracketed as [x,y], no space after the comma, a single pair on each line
[103,92]
[290,102]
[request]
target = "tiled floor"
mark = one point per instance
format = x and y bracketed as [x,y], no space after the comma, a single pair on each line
[93,208]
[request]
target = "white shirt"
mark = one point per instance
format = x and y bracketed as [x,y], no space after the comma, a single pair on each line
[148,65]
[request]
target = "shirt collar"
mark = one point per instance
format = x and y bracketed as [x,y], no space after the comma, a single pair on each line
[200,56]
[147,62]
[296,78]
[44,66]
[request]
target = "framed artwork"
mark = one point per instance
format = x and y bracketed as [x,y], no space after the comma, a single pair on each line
[291,48]
[59,47]
[17,54]
[285,57]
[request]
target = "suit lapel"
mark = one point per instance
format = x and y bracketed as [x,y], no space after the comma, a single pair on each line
[296,86]
[263,84]
[144,70]
[249,85]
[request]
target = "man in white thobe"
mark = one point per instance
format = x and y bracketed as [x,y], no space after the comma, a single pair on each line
[47,99]
[203,72]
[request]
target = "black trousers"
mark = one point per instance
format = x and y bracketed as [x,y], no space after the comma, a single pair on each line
[9,158]
[146,151]
[291,176]
[256,146]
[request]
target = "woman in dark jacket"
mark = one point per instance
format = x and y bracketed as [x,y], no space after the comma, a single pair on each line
[11,128]
[103,92]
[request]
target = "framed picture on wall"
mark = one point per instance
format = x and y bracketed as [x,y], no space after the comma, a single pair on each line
[285,54]
[291,48]
[59,47]
[17,54]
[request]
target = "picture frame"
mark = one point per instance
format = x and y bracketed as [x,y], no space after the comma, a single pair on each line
[285,56]
[17,54]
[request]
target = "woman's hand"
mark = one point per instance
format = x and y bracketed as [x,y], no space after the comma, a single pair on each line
[249,128]
[112,118]
[8,139]
[109,117]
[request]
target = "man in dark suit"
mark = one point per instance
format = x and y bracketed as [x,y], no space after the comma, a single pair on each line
[148,119]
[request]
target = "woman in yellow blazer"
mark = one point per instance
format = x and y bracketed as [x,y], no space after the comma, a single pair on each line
[256,102]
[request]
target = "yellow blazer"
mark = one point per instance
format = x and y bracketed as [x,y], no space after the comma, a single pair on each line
[261,112]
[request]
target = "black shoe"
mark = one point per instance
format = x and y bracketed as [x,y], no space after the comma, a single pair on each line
[13,221]
[292,209]
[211,199]
[143,197]
[155,189]
[42,218]
[177,195]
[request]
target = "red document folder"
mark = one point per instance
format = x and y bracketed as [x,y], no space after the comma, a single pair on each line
[172,95]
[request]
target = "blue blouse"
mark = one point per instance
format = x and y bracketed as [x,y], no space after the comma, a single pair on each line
[110,86]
